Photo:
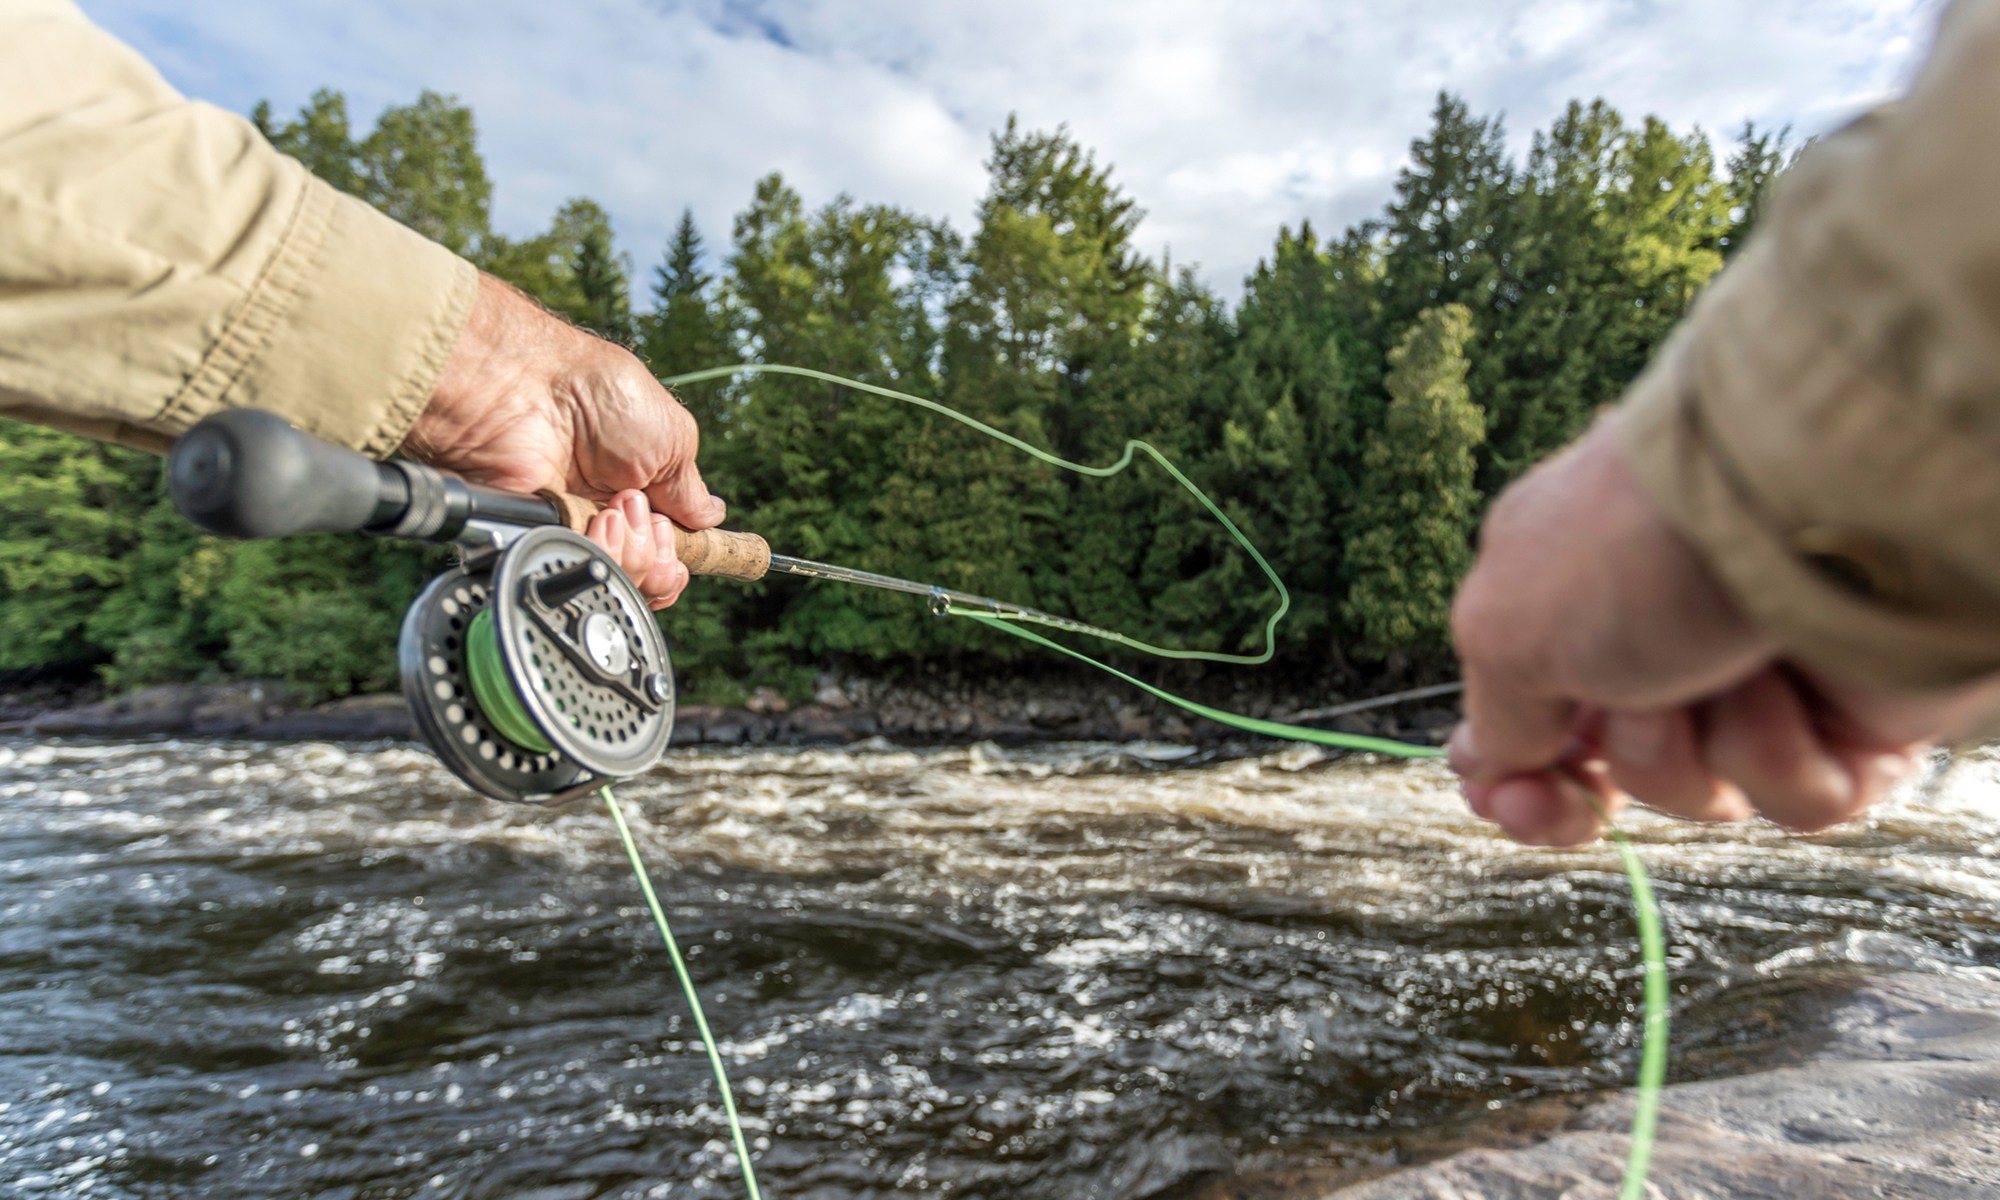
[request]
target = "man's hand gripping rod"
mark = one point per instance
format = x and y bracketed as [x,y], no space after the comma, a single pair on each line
[246,473]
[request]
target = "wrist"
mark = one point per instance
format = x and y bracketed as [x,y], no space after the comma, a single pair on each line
[498,373]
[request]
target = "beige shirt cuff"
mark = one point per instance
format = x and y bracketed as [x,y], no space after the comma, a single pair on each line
[1859,527]
[344,333]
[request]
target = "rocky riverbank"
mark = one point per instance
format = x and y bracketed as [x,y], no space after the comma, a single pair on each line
[1889,1088]
[1046,705]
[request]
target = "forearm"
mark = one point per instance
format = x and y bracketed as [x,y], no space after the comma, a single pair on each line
[163,261]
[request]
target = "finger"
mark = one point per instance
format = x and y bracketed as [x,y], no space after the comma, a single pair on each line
[641,551]
[1758,736]
[607,530]
[1546,808]
[1654,757]
[669,577]
[679,490]
[1506,730]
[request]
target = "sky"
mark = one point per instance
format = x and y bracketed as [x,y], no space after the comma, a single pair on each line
[1224,121]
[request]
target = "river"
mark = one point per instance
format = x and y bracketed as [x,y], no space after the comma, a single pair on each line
[258,970]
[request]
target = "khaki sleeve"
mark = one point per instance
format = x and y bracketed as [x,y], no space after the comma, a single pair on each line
[1826,424]
[159,260]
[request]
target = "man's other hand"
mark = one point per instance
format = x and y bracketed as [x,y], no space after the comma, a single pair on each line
[1599,652]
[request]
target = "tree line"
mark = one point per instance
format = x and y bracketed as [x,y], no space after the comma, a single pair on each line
[1352,414]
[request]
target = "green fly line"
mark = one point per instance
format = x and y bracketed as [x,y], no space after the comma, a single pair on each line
[512,720]
[687,989]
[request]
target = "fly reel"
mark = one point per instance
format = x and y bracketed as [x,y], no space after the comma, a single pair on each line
[536,672]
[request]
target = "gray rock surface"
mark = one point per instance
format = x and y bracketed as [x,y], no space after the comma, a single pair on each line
[1900,1098]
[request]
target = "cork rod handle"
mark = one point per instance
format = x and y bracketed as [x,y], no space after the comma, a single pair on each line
[721,553]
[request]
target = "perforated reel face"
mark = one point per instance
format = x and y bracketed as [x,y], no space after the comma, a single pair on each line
[432,653]
[581,692]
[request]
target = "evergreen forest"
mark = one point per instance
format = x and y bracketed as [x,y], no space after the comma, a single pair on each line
[1353,413]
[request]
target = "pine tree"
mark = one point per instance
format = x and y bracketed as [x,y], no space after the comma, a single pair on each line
[1140,554]
[1288,453]
[1409,542]
[1448,216]
[1054,292]
[1616,228]
[687,329]
[849,290]
[1568,295]
[603,286]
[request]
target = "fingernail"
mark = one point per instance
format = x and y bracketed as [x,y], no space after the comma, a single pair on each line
[721,505]
[614,528]
[636,514]
[1639,739]
[663,534]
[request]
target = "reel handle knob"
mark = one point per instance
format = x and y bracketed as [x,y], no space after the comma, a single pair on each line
[718,553]
[247,473]
[560,588]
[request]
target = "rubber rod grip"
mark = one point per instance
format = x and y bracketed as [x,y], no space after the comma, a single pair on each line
[717,553]
[247,473]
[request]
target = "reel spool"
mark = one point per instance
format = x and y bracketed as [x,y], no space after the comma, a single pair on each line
[536,672]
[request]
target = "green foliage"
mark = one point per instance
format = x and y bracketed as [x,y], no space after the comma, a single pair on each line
[1418,502]
[546,265]
[319,611]
[162,624]
[70,508]
[1753,167]
[603,286]
[1352,415]
[421,166]
[687,330]
[320,137]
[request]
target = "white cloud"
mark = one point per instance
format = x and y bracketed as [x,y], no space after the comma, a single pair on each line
[1223,121]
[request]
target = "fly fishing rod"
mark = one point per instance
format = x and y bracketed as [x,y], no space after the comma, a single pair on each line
[534,668]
